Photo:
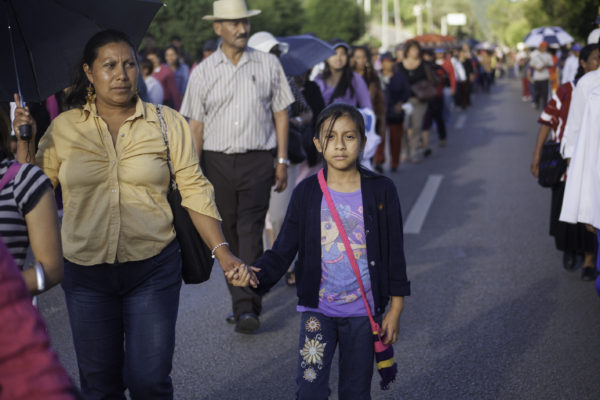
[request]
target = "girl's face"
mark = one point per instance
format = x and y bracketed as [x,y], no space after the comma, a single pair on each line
[342,146]
[338,61]
[592,63]
[359,59]
[170,56]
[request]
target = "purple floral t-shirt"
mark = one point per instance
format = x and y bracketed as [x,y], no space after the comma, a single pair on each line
[339,294]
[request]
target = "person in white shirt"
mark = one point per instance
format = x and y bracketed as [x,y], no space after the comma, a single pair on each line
[541,61]
[571,64]
[155,89]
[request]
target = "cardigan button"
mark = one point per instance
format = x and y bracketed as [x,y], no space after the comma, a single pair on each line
[372,263]
[367,232]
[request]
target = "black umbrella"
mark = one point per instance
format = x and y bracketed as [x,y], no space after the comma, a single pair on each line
[48,37]
[305,52]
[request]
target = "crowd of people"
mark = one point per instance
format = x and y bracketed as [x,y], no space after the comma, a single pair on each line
[251,149]
[566,128]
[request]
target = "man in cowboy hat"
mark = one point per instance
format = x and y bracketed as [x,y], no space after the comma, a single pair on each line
[236,101]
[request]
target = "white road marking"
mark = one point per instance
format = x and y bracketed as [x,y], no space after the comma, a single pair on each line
[418,213]
[460,121]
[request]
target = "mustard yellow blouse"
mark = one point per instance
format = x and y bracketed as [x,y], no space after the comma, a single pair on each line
[115,196]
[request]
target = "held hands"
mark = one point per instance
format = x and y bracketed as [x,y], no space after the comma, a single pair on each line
[243,276]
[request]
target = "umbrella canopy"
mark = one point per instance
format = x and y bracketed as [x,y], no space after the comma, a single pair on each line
[305,51]
[432,40]
[553,35]
[49,37]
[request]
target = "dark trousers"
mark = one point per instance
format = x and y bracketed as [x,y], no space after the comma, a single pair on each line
[319,336]
[435,112]
[540,93]
[463,94]
[242,185]
[123,320]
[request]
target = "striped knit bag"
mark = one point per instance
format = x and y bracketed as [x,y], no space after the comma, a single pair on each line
[384,354]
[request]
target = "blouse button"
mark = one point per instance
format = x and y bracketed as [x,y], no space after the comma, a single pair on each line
[122,135]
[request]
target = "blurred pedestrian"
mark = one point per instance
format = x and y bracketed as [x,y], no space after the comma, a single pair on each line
[237,102]
[28,217]
[413,67]
[435,107]
[29,369]
[571,64]
[123,264]
[165,75]
[397,93]
[155,89]
[339,83]
[184,57]
[178,66]
[336,309]
[571,239]
[540,62]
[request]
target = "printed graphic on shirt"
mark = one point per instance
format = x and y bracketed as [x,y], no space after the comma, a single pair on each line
[338,282]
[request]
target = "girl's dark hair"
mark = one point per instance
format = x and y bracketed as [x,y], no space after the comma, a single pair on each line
[76,98]
[345,81]
[369,74]
[584,54]
[412,43]
[332,113]
[176,50]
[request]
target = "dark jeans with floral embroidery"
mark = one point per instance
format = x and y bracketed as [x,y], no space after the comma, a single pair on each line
[319,336]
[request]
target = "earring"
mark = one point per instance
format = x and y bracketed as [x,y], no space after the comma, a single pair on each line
[90,93]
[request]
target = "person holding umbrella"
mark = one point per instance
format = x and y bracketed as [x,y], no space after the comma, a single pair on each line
[122,261]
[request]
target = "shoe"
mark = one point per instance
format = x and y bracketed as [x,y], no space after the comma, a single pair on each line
[569,260]
[379,168]
[427,153]
[588,274]
[442,143]
[231,319]
[394,169]
[247,323]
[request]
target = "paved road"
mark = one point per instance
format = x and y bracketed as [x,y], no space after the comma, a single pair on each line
[493,315]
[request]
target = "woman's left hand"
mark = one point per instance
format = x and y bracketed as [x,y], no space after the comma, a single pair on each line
[229,262]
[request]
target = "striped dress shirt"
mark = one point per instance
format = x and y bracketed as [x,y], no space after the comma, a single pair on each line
[236,102]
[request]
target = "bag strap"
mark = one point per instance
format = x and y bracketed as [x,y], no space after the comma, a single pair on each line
[10,174]
[349,252]
[163,128]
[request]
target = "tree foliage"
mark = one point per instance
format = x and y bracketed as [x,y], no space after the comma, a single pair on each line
[279,17]
[329,19]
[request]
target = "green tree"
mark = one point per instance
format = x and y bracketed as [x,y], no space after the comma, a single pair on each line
[279,17]
[329,19]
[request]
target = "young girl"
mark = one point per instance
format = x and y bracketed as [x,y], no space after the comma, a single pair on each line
[333,311]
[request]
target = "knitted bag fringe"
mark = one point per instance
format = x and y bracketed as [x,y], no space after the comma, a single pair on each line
[384,354]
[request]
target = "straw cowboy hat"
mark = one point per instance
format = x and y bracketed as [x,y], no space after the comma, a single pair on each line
[230,9]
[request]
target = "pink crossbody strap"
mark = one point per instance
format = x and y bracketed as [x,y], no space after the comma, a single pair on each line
[349,252]
[10,174]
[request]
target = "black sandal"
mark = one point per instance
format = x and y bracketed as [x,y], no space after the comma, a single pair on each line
[290,278]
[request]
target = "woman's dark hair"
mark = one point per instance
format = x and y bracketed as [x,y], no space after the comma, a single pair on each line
[176,50]
[412,43]
[76,98]
[369,74]
[332,113]
[4,136]
[345,81]
[584,54]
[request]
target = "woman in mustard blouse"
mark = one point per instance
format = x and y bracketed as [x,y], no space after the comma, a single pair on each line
[122,261]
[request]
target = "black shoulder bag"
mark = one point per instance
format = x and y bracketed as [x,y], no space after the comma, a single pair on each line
[552,165]
[196,260]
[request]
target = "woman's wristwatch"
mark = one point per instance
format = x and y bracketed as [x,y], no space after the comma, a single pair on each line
[283,161]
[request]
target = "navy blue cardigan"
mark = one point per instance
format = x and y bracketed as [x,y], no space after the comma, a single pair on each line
[301,233]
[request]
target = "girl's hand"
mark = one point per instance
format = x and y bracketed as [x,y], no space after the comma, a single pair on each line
[242,276]
[391,322]
[23,117]
[535,165]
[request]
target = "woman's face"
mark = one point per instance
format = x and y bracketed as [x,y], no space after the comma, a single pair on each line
[114,74]
[359,58]
[413,53]
[592,63]
[338,61]
[171,57]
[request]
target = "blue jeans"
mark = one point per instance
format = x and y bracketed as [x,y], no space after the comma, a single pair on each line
[319,336]
[123,323]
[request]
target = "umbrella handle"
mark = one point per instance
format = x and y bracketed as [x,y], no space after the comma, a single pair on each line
[25,132]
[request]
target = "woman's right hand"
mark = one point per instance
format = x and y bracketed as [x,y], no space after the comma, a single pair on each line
[535,165]
[23,117]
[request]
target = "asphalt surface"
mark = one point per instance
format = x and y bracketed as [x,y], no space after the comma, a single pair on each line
[493,314]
